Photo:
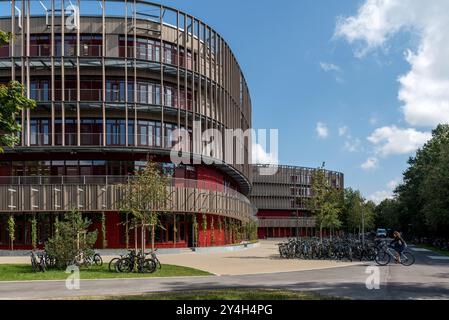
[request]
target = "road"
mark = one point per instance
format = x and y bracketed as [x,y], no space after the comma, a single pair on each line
[427,279]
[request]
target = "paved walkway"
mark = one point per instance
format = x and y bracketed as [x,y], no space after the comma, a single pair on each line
[261,259]
[427,279]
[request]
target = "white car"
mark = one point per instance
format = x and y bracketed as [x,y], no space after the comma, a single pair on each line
[381,233]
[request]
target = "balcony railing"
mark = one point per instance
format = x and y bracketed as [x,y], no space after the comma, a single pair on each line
[96,51]
[101,193]
[112,180]
[100,140]
[113,96]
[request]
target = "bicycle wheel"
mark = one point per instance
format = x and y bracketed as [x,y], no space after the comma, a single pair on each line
[147,266]
[407,259]
[97,260]
[158,264]
[125,265]
[113,265]
[34,265]
[42,267]
[382,258]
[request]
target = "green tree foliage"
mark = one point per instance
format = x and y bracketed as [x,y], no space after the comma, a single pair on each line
[71,238]
[386,214]
[12,101]
[146,197]
[34,232]
[357,213]
[422,205]
[250,230]
[204,224]
[12,230]
[195,231]
[212,231]
[325,202]
[5,37]
[103,231]
[434,193]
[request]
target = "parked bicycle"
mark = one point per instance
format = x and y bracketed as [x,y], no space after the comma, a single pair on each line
[328,249]
[136,261]
[38,261]
[87,258]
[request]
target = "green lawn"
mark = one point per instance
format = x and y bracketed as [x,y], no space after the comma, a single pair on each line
[19,272]
[223,294]
[434,249]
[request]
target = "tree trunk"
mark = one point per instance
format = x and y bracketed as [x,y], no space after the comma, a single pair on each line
[135,237]
[321,233]
[174,230]
[127,232]
[142,235]
[152,237]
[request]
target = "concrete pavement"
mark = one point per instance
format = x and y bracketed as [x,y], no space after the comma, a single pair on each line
[263,258]
[427,279]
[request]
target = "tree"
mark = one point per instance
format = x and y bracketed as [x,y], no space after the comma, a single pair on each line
[421,198]
[71,238]
[358,214]
[195,231]
[103,230]
[34,232]
[12,101]
[434,193]
[387,214]
[12,230]
[325,202]
[146,197]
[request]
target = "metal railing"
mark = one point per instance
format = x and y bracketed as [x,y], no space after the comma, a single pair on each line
[113,180]
[101,140]
[114,96]
[102,193]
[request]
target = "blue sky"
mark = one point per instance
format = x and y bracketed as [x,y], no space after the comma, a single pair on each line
[357,84]
[301,74]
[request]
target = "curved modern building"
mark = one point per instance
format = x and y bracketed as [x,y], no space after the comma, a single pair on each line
[281,200]
[112,81]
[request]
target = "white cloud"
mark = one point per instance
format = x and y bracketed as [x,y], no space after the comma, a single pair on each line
[342,131]
[394,141]
[322,130]
[379,196]
[329,67]
[393,184]
[260,156]
[370,164]
[352,144]
[424,90]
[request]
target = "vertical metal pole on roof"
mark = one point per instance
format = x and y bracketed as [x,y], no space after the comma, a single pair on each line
[27,63]
[186,51]
[78,76]
[200,89]
[194,66]
[178,79]
[22,69]
[12,42]
[62,73]
[126,73]
[161,58]
[52,80]
[103,54]
[135,72]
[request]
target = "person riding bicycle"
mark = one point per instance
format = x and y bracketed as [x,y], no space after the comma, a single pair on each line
[398,244]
